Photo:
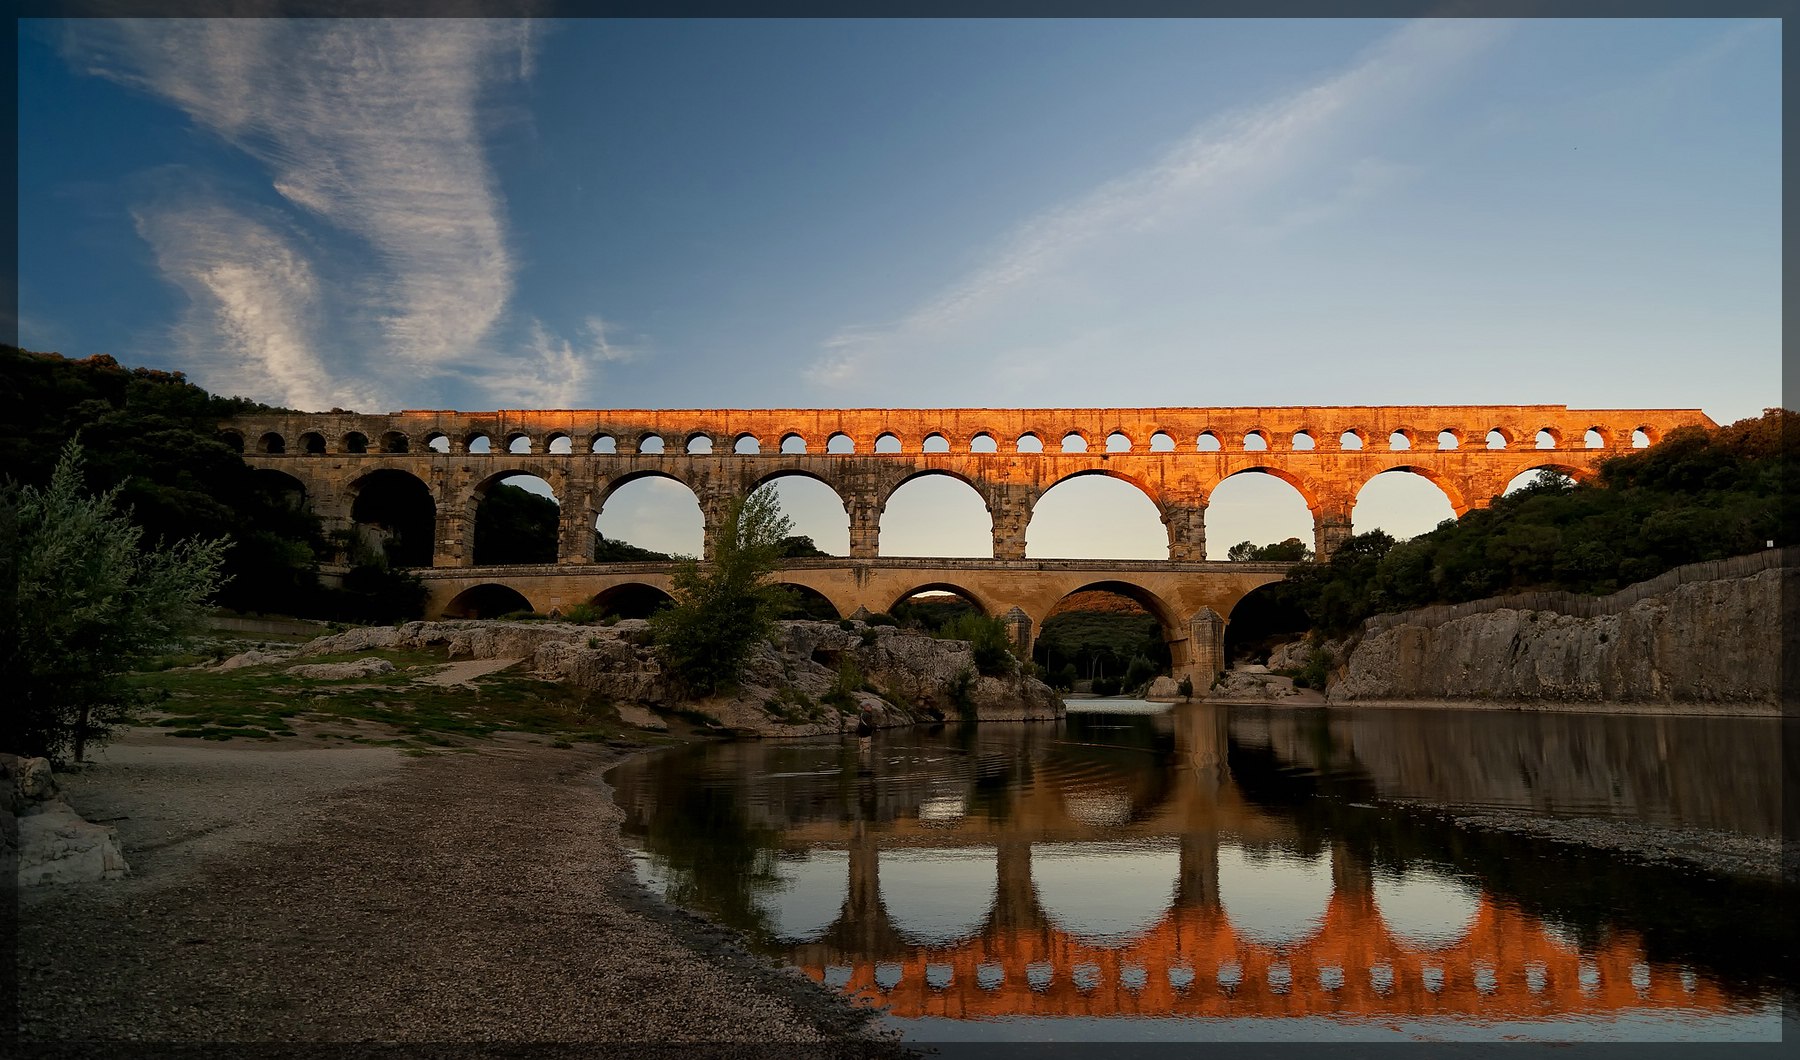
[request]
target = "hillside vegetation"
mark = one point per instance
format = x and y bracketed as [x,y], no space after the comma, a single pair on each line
[1696,495]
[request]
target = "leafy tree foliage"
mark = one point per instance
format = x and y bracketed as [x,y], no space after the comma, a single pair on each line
[609,551]
[799,546]
[87,604]
[988,640]
[724,608]
[1293,550]
[1697,495]
[514,525]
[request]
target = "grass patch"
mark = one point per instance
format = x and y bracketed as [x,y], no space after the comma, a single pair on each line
[260,702]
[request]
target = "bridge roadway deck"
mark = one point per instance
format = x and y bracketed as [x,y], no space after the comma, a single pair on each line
[1193,601]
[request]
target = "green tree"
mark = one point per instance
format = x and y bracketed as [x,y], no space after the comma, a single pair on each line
[723,608]
[87,605]
[1293,550]
[514,525]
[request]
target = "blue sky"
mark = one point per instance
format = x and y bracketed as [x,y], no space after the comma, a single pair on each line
[383,215]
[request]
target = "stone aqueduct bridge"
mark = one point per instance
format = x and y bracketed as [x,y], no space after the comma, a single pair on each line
[1011,457]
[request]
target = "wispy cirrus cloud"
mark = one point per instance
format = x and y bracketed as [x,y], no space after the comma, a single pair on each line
[376,129]
[552,371]
[1224,161]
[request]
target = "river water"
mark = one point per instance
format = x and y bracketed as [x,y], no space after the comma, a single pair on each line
[1144,873]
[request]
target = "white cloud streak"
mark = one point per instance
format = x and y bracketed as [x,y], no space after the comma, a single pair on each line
[554,371]
[373,126]
[1219,161]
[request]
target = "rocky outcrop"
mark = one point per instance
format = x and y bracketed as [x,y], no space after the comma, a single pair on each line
[811,678]
[55,845]
[1700,645]
[341,670]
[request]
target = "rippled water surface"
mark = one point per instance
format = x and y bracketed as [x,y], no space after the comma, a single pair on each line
[1144,873]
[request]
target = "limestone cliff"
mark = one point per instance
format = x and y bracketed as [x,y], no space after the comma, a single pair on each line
[1700,645]
[787,685]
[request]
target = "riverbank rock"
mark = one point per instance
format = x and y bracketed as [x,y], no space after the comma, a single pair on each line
[1704,644]
[55,845]
[341,670]
[253,657]
[810,678]
[1257,683]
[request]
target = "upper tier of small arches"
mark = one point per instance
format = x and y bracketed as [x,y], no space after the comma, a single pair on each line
[1304,430]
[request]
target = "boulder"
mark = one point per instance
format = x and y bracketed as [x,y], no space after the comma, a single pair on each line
[55,845]
[342,670]
[1164,687]
[253,657]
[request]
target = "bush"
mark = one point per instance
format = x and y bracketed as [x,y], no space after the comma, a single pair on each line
[1185,687]
[89,605]
[1140,673]
[1065,678]
[1316,671]
[723,610]
[962,687]
[882,618]
[988,640]
[1107,686]
[842,693]
[582,614]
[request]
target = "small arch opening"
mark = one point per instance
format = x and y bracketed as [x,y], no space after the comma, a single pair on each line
[1208,442]
[1303,442]
[1029,443]
[1350,440]
[480,443]
[395,442]
[1593,439]
[1256,442]
[1496,439]
[983,443]
[1640,438]
[1074,443]
[1400,440]
[1547,439]
[747,445]
[273,443]
[699,445]
[1447,439]
[312,443]
[604,443]
[560,445]
[233,440]
[1160,442]
[437,442]
[887,443]
[793,444]
[1117,442]
[518,443]
[840,443]
[356,442]
[651,444]
[935,443]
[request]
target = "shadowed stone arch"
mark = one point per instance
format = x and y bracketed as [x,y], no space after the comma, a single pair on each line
[631,600]
[396,511]
[986,606]
[487,600]
[280,483]
[810,602]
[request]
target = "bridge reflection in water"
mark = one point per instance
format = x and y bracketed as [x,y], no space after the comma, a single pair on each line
[1108,868]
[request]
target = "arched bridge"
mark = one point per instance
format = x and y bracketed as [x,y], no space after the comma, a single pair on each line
[446,462]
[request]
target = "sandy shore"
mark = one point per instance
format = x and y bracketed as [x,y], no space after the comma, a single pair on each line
[295,893]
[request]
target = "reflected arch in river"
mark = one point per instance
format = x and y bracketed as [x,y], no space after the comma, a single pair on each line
[1426,909]
[1111,908]
[807,894]
[1271,897]
[934,897]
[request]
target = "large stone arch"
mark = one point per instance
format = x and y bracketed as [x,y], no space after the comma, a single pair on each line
[611,486]
[1169,617]
[892,485]
[1156,509]
[279,482]
[1311,492]
[631,599]
[478,493]
[1459,503]
[387,518]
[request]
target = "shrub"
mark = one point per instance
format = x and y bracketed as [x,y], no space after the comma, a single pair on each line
[582,614]
[1140,673]
[1107,686]
[1185,687]
[842,693]
[1316,671]
[987,639]
[1065,678]
[724,609]
[881,618]
[87,605]
[961,688]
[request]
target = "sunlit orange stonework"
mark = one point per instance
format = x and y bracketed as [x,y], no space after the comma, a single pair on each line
[866,454]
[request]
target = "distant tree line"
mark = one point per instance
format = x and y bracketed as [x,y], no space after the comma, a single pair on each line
[1696,495]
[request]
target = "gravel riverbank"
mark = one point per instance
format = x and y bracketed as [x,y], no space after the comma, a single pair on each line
[295,893]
